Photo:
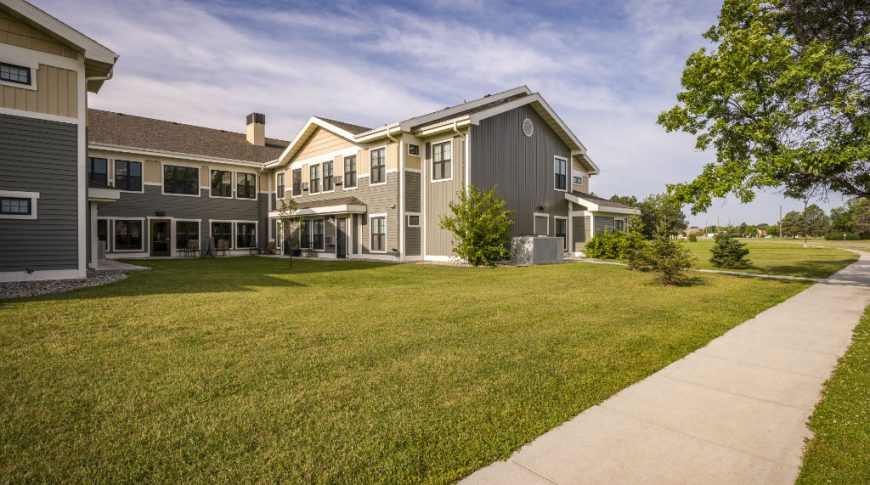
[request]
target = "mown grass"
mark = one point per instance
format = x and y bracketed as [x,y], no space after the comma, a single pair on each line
[781,258]
[235,369]
[840,449]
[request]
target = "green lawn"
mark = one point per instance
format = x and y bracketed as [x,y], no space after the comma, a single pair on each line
[234,370]
[840,450]
[781,258]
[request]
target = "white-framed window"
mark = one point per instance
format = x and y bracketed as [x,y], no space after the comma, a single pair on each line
[578,179]
[129,235]
[187,234]
[350,172]
[222,234]
[297,182]
[181,180]
[561,224]
[128,175]
[378,233]
[279,184]
[413,150]
[442,161]
[314,179]
[542,224]
[317,234]
[378,167]
[305,234]
[413,219]
[15,75]
[619,225]
[560,173]
[15,204]
[328,177]
[221,183]
[246,234]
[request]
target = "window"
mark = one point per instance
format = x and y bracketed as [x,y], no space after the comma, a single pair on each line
[317,234]
[222,231]
[98,171]
[221,183]
[314,179]
[350,171]
[562,231]
[327,177]
[560,169]
[442,153]
[297,182]
[378,227]
[246,186]
[578,179]
[246,235]
[619,225]
[128,235]
[378,170]
[180,180]
[413,221]
[279,181]
[103,233]
[414,150]
[542,225]
[15,206]
[128,175]
[15,74]
[304,235]
[186,231]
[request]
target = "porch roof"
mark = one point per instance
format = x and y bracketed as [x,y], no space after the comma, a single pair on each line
[594,203]
[341,205]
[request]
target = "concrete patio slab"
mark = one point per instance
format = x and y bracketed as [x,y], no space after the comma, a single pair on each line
[734,411]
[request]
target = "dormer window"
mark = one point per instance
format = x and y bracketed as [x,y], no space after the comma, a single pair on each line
[15,74]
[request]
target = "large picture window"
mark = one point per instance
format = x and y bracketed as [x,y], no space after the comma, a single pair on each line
[222,231]
[317,234]
[560,170]
[178,179]
[128,235]
[304,235]
[328,181]
[279,182]
[128,175]
[246,186]
[442,158]
[350,171]
[314,179]
[221,183]
[246,235]
[98,171]
[185,233]
[379,233]
[297,182]
[379,166]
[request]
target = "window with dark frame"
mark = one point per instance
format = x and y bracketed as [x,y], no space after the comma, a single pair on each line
[178,179]
[560,169]
[317,234]
[562,231]
[246,235]
[328,183]
[314,179]
[98,171]
[128,175]
[413,221]
[128,235]
[619,225]
[246,185]
[350,171]
[103,232]
[297,182]
[16,206]
[442,155]
[186,231]
[221,183]
[378,166]
[414,150]
[15,74]
[304,235]
[221,231]
[379,233]
[279,181]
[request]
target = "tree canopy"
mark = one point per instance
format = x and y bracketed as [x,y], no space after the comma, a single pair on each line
[783,96]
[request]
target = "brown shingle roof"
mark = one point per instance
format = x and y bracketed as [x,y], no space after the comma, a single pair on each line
[354,129]
[599,200]
[109,128]
[330,202]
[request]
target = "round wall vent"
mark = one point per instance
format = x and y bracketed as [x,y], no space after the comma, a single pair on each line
[528,127]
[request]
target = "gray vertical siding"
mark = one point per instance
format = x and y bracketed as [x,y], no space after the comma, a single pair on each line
[578,232]
[438,195]
[519,167]
[40,156]
[413,192]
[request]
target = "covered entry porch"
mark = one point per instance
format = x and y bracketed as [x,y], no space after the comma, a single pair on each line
[590,216]
[327,228]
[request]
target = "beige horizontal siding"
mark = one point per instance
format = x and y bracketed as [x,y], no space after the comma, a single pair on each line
[321,142]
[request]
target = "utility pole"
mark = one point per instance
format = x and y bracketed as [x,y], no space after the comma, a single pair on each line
[780,221]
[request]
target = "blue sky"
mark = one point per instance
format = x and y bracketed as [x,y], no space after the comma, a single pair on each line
[608,68]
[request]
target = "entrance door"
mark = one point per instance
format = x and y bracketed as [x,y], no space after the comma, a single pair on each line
[341,238]
[160,237]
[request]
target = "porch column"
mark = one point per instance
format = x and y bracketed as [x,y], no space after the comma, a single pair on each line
[94,238]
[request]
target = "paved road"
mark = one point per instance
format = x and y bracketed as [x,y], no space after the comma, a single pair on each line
[734,411]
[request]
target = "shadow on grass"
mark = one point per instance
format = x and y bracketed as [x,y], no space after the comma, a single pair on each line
[810,269]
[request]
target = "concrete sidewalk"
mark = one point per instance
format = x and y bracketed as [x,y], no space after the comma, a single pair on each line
[734,411]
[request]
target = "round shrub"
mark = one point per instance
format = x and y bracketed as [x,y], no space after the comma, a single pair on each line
[607,245]
[728,252]
[693,238]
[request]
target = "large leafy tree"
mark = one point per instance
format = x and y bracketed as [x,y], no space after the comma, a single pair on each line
[660,215]
[783,96]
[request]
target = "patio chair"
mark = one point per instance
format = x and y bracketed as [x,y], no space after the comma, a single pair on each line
[192,248]
[223,245]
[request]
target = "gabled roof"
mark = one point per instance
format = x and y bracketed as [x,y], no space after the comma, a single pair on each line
[99,60]
[467,107]
[349,127]
[347,131]
[599,204]
[109,130]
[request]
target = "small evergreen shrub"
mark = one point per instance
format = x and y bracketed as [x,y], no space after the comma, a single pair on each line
[693,238]
[728,252]
[481,227]
[670,259]
[843,236]
[636,252]
[607,245]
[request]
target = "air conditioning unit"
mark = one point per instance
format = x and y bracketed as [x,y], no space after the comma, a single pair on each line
[337,180]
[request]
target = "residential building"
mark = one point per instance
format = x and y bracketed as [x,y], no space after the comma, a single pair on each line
[46,70]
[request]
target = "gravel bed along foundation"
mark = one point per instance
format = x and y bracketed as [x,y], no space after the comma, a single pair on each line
[25,289]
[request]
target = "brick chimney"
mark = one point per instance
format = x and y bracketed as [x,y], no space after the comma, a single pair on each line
[257,129]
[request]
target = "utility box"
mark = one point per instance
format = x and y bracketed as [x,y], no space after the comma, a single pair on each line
[536,250]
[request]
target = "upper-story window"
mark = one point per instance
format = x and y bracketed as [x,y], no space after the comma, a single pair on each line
[178,179]
[314,179]
[328,182]
[98,171]
[578,179]
[279,181]
[442,158]
[297,182]
[350,171]
[15,74]
[379,166]
[128,175]
[246,185]
[221,183]
[560,171]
